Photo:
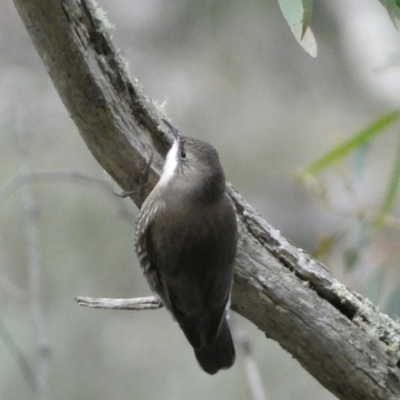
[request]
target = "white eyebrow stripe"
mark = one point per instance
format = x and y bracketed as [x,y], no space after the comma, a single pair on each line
[170,165]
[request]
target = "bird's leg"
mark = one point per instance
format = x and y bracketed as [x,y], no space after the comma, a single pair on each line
[144,177]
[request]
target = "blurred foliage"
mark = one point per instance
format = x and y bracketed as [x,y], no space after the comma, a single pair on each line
[356,142]
[393,8]
[391,191]
[366,226]
[298,15]
[393,307]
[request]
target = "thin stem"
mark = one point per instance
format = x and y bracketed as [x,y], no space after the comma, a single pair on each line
[25,177]
[34,265]
[18,356]
[138,303]
[252,373]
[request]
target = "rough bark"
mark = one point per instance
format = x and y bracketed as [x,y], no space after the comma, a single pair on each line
[336,335]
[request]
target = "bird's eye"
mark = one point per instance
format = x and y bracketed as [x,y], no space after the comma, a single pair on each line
[183,154]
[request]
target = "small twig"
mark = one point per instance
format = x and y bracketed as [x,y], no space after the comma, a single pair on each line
[144,177]
[18,356]
[253,378]
[48,176]
[138,303]
[124,194]
[24,178]
[34,266]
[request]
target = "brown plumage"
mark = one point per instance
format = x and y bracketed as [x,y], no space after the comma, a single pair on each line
[186,239]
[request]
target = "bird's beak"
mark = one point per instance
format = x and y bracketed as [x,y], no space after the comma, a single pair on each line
[174,130]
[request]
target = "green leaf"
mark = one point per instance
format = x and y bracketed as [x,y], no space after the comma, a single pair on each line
[391,191]
[393,9]
[298,15]
[348,146]
[307,14]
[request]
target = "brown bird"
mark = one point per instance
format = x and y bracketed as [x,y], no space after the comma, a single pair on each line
[186,238]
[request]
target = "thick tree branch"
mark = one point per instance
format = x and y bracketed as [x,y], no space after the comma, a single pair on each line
[338,336]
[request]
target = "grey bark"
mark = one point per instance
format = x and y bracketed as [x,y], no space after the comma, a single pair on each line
[335,334]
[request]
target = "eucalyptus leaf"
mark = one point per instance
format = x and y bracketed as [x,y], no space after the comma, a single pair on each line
[343,149]
[393,9]
[298,15]
[307,14]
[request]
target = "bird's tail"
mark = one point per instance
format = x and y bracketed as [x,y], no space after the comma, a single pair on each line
[221,354]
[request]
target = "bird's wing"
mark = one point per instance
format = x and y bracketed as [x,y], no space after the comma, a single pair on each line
[144,247]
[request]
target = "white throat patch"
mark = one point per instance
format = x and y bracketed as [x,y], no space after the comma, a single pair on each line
[170,165]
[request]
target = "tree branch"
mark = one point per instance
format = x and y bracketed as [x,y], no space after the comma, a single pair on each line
[338,336]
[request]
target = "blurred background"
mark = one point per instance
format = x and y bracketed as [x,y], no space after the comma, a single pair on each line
[229,72]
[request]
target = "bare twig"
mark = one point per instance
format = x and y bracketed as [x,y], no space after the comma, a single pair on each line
[24,178]
[252,373]
[18,356]
[34,270]
[142,182]
[138,303]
